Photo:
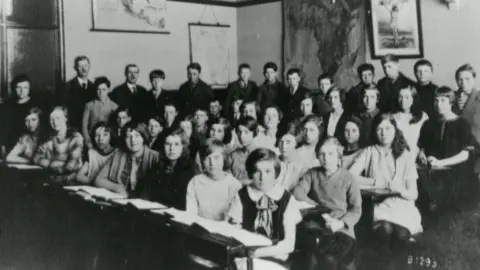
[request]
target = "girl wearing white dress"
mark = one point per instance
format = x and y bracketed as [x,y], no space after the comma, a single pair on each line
[410,117]
[389,164]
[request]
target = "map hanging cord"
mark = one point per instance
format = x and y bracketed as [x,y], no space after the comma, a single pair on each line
[213,13]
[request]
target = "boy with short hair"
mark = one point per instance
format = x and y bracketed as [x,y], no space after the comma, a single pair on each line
[170,115]
[243,87]
[353,102]
[390,85]
[371,98]
[215,110]
[423,70]
[200,126]
[97,110]
[271,92]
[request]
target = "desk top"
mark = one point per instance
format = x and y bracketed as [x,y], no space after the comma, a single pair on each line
[432,168]
[375,192]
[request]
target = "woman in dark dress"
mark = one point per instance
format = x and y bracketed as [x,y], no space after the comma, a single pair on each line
[16,109]
[444,143]
[167,182]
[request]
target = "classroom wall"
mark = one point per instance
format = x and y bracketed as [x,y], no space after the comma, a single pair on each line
[450,38]
[109,52]
[260,36]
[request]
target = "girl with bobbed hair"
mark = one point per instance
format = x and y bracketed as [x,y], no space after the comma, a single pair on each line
[61,154]
[28,143]
[264,207]
[125,170]
[16,109]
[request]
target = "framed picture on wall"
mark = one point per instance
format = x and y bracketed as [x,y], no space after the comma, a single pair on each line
[395,28]
[130,16]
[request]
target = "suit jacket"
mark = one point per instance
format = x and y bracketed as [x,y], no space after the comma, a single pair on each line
[235,89]
[471,114]
[340,128]
[75,97]
[190,98]
[292,108]
[272,94]
[389,91]
[153,106]
[320,106]
[125,98]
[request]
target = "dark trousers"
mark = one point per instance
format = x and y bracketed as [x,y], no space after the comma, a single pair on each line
[320,249]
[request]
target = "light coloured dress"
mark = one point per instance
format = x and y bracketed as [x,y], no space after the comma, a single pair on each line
[411,132]
[27,146]
[379,164]
[307,157]
[209,198]
[96,162]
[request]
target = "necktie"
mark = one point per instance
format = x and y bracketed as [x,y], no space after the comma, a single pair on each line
[126,172]
[134,89]
[263,223]
[462,100]
[133,174]
[84,85]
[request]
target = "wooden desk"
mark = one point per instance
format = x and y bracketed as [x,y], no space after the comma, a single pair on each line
[56,229]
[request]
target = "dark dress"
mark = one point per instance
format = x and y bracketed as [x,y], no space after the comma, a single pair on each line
[444,139]
[426,94]
[340,127]
[167,184]
[367,135]
[14,121]
[353,101]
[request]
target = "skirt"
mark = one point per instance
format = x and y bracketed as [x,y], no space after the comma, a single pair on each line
[400,212]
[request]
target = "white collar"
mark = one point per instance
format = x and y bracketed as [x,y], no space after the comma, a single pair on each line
[131,86]
[275,193]
[82,81]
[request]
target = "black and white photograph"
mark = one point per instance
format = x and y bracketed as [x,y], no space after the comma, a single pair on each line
[239,135]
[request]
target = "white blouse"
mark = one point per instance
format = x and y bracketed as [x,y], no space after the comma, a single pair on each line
[411,132]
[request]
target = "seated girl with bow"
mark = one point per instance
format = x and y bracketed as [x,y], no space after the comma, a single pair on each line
[265,207]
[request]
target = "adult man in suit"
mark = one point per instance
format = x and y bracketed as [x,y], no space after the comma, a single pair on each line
[77,92]
[194,93]
[156,98]
[294,96]
[243,87]
[468,103]
[390,85]
[130,94]
[272,92]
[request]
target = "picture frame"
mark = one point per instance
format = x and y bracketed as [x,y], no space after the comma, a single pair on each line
[395,27]
[130,16]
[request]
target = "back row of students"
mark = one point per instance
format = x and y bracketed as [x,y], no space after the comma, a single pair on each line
[158,162]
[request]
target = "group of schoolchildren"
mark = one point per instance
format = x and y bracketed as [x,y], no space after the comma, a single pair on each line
[250,159]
